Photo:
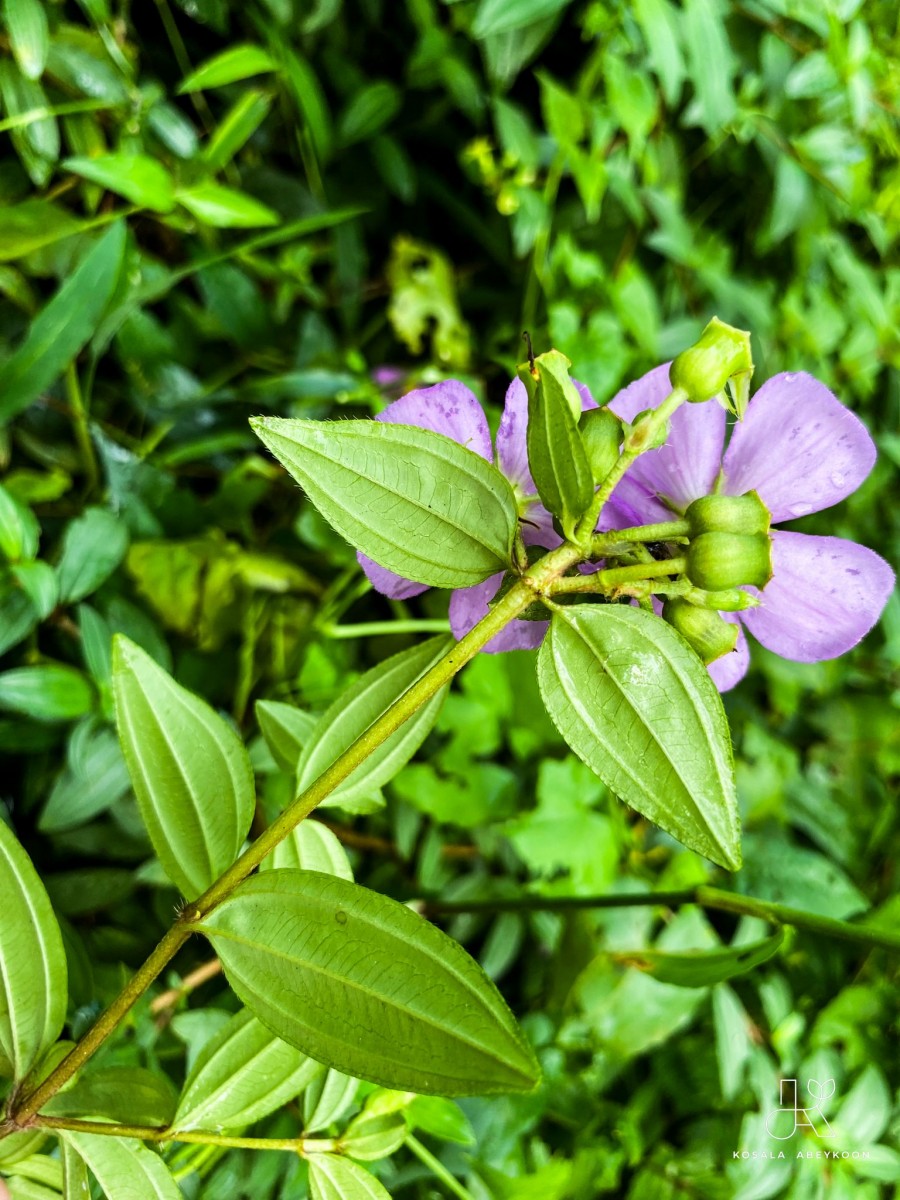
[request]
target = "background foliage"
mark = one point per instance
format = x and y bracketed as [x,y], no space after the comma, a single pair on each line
[301,209]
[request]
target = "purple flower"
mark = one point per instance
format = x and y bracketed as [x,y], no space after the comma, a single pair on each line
[802,451]
[450,408]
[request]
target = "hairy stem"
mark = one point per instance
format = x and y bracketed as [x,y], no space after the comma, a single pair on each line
[706,897]
[435,1165]
[150,1133]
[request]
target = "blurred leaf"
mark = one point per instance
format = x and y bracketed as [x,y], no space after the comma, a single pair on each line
[127,1095]
[93,546]
[369,110]
[601,670]
[326,943]
[94,779]
[47,692]
[231,66]
[793,875]
[141,179]
[225,208]
[423,292]
[236,128]
[189,770]
[391,491]
[242,1074]
[19,528]
[63,326]
[34,992]
[702,968]
[502,16]
[29,35]
[286,729]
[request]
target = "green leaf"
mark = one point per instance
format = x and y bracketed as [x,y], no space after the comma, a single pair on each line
[127,1095]
[312,846]
[137,177]
[372,1136]
[636,704]
[33,982]
[711,63]
[369,110]
[236,128]
[241,1075]
[76,1185]
[95,777]
[225,208]
[189,770]
[502,16]
[93,546]
[556,455]
[240,62]
[414,501]
[441,1118]
[64,325]
[331,967]
[334,1178]
[286,729]
[29,35]
[46,692]
[702,968]
[19,528]
[357,708]
[124,1168]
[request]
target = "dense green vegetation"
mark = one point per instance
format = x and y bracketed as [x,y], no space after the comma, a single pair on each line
[304,209]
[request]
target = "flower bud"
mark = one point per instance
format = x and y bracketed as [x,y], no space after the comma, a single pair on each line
[720,358]
[660,433]
[708,633]
[728,514]
[601,435]
[716,561]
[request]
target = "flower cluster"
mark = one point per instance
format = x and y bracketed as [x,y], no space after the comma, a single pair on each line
[798,447]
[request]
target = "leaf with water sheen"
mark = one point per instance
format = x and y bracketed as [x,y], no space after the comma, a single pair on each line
[313,847]
[356,709]
[412,500]
[33,981]
[636,704]
[124,1168]
[241,1075]
[335,1178]
[190,772]
[286,729]
[362,983]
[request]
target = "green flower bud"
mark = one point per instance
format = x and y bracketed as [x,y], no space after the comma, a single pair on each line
[660,434]
[716,561]
[708,633]
[728,514]
[601,434]
[720,359]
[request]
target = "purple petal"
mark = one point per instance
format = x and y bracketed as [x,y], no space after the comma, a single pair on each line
[799,447]
[389,584]
[448,408]
[469,605]
[687,466]
[634,503]
[824,596]
[512,452]
[731,668]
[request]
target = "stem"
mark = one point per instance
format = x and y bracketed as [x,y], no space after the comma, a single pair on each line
[150,1133]
[194,979]
[374,628]
[81,428]
[516,600]
[706,897]
[434,1164]
[663,531]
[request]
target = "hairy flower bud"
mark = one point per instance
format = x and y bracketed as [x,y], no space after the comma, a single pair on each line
[720,359]
[642,427]
[716,561]
[728,514]
[601,435]
[708,633]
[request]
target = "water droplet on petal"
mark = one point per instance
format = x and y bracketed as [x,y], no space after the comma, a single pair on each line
[800,510]
[837,478]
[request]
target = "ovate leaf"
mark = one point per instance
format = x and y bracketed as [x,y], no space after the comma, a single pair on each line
[312,846]
[225,208]
[702,968]
[130,1095]
[502,16]
[63,326]
[33,982]
[335,1178]
[356,709]
[93,546]
[414,501]
[29,35]
[240,62]
[556,455]
[635,702]
[137,177]
[242,1074]
[46,692]
[362,983]
[286,729]
[124,1168]
[190,772]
